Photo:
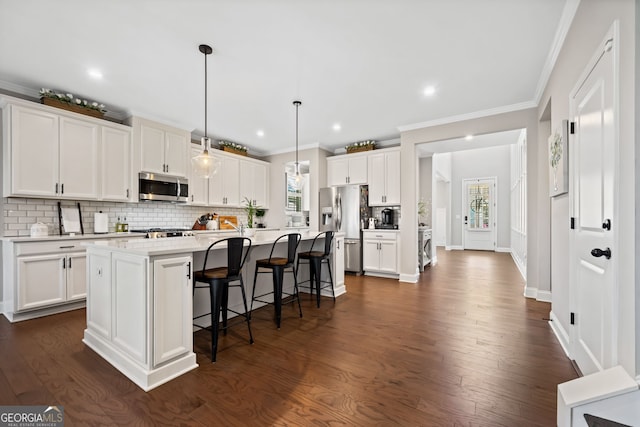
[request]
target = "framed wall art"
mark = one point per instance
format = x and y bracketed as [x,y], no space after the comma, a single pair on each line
[559,161]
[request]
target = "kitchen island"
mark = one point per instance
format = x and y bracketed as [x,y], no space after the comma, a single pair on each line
[140,300]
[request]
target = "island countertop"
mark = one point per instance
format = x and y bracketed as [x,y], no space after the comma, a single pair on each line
[188,244]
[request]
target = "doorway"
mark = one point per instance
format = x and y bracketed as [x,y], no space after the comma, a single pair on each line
[480,218]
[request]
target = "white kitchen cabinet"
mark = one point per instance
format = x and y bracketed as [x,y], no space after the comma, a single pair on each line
[224,186]
[384,178]
[51,155]
[61,155]
[254,182]
[347,169]
[115,163]
[99,295]
[380,252]
[161,149]
[172,308]
[198,186]
[46,279]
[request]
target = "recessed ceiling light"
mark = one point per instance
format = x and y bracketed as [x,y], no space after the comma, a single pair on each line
[429,91]
[337,127]
[468,137]
[95,73]
[260,133]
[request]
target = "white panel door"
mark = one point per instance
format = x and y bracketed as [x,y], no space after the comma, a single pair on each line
[479,204]
[76,266]
[41,281]
[377,179]
[371,255]
[388,256]
[177,149]
[172,308]
[34,152]
[337,172]
[392,174]
[593,152]
[224,186]
[78,159]
[115,164]
[198,186]
[99,299]
[151,149]
[358,170]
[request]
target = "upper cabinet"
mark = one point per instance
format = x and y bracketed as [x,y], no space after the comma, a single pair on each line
[160,148]
[224,185]
[58,154]
[384,177]
[254,182]
[347,169]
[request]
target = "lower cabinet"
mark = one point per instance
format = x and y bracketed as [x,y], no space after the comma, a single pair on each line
[48,279]
[172,308]
[380,252]
[338,262]
[139,313]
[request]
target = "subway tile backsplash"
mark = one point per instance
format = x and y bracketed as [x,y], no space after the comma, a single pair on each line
[20,213]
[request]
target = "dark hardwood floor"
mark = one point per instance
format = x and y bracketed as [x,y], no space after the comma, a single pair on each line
[462,347]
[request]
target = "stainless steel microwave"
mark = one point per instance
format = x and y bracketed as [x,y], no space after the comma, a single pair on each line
[163,188]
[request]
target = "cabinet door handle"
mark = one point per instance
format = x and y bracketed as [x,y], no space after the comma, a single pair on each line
[56,188]
[69,265]
[67,247]
[192,198]
[189,270]
[64,263]
[127,193]
[62,188]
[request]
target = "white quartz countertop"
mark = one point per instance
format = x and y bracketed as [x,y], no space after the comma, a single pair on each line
[179,245]
[57,237]
[380,230]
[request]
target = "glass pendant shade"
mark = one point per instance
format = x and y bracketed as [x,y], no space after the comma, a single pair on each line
[298,178]
[204,164]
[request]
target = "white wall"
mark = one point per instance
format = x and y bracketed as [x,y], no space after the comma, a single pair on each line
[591,22]
[481,163]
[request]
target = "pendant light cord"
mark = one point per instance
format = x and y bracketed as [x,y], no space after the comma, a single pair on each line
[297,104]
[205,95]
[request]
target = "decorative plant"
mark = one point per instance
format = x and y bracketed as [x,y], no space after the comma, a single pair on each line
[555,148]
[251,209]
[423,210]
[233,145]
[361,144]
[72,100]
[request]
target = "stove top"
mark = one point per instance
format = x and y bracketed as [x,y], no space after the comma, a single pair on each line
[156,232]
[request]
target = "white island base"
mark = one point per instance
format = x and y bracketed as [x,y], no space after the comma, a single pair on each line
[143,377]
[140,300]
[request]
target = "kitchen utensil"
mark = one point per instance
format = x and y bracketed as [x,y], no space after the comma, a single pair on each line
[372,223]
[231,218]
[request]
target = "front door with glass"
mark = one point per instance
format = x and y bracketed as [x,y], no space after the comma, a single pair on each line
[480,205]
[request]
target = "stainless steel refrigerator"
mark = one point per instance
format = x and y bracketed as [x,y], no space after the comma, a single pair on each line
[346,209]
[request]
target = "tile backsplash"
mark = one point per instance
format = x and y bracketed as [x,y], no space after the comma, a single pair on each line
[20,213]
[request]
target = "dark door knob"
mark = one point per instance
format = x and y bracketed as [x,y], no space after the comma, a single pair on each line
[599,252]
[606,225]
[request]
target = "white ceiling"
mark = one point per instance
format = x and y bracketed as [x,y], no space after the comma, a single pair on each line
[475,142]
[361,63]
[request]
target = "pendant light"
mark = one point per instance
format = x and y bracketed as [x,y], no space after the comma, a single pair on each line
[298,177]
[204,164]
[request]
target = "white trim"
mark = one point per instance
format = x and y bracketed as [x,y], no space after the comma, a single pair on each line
[454,248]
[569,11]
[469,116]
[409,278]
[530,292]
[34,314]
[561,334]
[507,250]
[544,296]
[521,267]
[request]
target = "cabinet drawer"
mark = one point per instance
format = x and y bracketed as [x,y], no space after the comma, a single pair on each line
[372,235]
[50,247]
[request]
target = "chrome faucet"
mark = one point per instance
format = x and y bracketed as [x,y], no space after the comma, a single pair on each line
[238,229]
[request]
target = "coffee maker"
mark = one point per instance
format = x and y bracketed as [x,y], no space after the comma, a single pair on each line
[387,218]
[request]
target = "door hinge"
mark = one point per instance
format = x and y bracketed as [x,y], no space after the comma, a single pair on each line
[573,223]
[573,318]
[572,128]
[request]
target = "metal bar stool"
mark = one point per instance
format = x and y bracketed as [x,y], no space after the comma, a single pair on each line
[316,259]
[218,280]
[278,265]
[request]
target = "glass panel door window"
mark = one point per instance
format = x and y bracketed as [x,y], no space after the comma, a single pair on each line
[479,197]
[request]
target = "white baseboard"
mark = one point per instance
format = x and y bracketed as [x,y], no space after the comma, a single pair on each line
[454,248]
[409,278]
[521,268]
[530,292]
[561,334]
[507,250]
[544,296]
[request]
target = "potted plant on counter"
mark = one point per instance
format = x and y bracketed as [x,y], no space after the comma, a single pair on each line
[250,208]
[259,217]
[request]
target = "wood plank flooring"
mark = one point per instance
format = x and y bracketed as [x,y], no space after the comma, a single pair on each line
[462,347]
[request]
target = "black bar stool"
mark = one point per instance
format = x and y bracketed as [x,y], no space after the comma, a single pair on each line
[316,259]
[277,265]
[218,281]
